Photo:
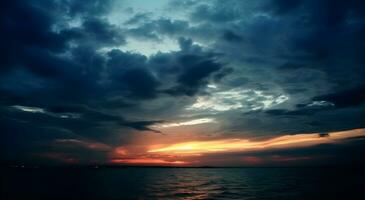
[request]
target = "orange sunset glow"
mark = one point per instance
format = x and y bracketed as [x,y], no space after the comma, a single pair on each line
[188,152]
[231,145]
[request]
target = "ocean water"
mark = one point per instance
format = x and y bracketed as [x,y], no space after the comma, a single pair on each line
[183,183]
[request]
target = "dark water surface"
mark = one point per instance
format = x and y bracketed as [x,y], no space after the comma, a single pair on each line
[183,183]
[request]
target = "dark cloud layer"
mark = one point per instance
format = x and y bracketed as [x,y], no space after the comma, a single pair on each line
[64,73]
[48,64]
[350,97]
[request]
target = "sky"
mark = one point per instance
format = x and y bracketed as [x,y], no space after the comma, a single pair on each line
[182,82]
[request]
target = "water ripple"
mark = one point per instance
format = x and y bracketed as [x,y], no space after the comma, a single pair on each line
[181,183]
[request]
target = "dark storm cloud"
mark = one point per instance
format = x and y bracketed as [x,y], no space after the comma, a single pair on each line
[217,14]
[231,36]
[154,29]
[192,68]
[95,117]
[350,97]
[142,125]
[95,32]
[88,7]
[26,25]
[76,118]
[287,112]
[331,28]
[196,69]
[310,50]
[70,67]
[303,109]
[129,72]
[187,70]
[282,6]
[66,58]
[53,61]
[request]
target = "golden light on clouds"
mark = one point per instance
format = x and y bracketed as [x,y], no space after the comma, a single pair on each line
[185,152]
[238,145]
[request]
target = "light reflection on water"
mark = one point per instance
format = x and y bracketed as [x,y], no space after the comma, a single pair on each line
[181,183]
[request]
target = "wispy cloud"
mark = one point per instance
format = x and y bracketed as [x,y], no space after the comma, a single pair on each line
[96,146]
[29,109]
[188,123]
[237,98]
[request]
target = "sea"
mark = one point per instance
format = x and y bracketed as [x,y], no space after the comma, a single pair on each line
[182,183]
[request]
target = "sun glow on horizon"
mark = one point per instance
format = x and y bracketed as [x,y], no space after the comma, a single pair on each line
[238,145]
